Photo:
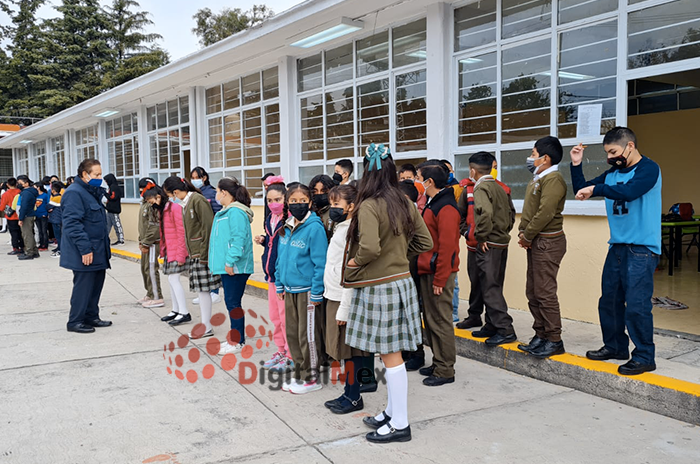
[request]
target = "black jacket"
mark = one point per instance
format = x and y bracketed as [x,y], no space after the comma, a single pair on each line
[114,197]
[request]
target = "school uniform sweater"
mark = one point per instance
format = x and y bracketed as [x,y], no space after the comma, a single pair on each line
[271,245]
[492,215]
[231,241]
[148,225]
[333,290]
[545,197]
[442,220]
[198,217]
[465,205]
[27,203]
[632,201]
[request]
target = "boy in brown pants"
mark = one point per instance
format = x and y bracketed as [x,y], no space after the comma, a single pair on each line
[493,223]
[542,235]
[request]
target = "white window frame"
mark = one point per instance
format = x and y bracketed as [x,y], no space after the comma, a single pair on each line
[155,171]
[111,141]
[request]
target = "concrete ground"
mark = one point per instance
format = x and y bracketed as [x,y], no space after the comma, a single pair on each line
[108,397]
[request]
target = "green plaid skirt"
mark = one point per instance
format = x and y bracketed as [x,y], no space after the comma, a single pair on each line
[385,318]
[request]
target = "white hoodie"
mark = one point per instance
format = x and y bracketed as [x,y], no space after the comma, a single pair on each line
[334,266]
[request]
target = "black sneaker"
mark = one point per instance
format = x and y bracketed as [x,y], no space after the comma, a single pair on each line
[24,257]
[15,252]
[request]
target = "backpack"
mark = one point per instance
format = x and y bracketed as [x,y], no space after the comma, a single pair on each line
[683,210]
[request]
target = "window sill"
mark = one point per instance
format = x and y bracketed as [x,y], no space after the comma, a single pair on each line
[575,207]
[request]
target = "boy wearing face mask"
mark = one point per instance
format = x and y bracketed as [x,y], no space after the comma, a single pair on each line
[632,192]
[541,233]
[343,172]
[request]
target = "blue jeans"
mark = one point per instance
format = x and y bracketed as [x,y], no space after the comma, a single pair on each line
[627,289]
[455,300]
[57,234]
[234,287]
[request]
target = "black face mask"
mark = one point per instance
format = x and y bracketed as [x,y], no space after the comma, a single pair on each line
[321,200]
[618,162]
[338,215]
[337,178]
[299,210]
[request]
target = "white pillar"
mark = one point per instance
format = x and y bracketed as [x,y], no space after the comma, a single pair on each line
[195,133]
[289,149]
[144,152]
[438,49]
[201,145]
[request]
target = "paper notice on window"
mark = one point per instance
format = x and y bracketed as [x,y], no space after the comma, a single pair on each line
[589,118]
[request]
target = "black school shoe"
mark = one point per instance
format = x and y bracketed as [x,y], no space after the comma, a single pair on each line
[330,403]
[415,363]
[500,339]
[81,328]
[183,320]
[399,435]
[606,353]
[469,323]
[549,349]
[483,333]
[635,368]
[368,387]
[427,371]
[346,406]
[534,344]
[169,317]
[374,423]
[435,381]
[98,323]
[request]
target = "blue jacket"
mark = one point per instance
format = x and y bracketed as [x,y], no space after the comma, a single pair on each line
[231,240]
[209,193]
[84,228]
[41,210]
[27,202]
[271,245]
[301,258]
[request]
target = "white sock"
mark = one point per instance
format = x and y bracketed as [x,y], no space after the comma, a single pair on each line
[178,294]
[205,308]
[397,384]
[388,410]
[173,312]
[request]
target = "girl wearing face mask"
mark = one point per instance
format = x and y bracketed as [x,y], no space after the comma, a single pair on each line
[197,218]
[173,251]
[149,244]
[320,186]
[200,179]
[274,222]
[301,260]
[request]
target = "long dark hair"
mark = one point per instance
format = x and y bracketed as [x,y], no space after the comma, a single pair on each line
[173,183]
[154,192]
[201,173]
[293,187]
[324,180]
[237,191]
[383,184]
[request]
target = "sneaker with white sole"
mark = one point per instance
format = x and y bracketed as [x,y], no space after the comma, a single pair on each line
[208,333]
[287,385]
[215,298]
[274,360]
[283,364]
[227,348]
[153,304]
[306,387]
[56,254]
[143,300]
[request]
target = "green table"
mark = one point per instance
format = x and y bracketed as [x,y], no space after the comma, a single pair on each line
[675,242]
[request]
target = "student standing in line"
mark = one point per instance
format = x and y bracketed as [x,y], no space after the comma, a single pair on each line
[56,216]
[197,218]
[25,213]
[274,222]
[384,312]
[42,217]
[114,208]
[407,172]
[632,192]
[173,250]
[6,202]
[343,171]
[301,260]
[149,244]
[231,255]
[3,189]
[493,223]
[200,179]
[541,233]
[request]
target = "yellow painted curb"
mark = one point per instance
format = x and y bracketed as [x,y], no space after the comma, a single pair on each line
[602,366]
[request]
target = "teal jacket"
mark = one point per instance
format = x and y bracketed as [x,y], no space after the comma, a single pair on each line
[301,258]
[231,240]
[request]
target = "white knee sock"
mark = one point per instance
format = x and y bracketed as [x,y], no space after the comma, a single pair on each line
[397,383]
[178,294]
[388,409]
[205,307]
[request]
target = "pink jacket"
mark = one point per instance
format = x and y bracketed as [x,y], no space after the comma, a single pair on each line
[172,234]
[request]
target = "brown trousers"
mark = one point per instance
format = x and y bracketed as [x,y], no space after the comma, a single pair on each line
[30,248]
[491,269]
[543,260]
[439,331]
[297,321]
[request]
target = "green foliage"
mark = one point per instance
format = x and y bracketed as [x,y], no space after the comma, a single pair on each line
[212,27]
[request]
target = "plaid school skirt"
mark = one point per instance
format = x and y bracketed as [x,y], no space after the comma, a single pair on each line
[201,278]
[385,318]
[174,268]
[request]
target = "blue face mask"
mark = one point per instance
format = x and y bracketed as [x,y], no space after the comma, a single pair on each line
[95,182]
[198,183]
[451,177]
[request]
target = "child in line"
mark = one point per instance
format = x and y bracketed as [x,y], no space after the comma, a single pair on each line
[114,208]
[173,251]
[301,261]
[55,216]
[493,223]
[407,172]
[338,303]
[274,222]
[197,217]
[384,318]
[231,255]
[149,244]
[42,217]
[200,179]
[320,185]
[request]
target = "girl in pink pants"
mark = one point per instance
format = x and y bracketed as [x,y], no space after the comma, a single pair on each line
[273,223]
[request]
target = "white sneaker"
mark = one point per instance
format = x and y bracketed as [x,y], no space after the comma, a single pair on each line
[215,298]
[287,385]
[208,333]
[195,301]
[153,304]
[228,348]
[306,387]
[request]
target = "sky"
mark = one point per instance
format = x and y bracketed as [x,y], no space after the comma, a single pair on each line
[173,18]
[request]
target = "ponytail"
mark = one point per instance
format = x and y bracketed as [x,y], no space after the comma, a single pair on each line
[237,191]
[173,183]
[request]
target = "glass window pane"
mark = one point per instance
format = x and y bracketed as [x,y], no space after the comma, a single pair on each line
[411,123]
[373,54]
[664,33]
[477,99]
[312,128]
[232,92]
[339,64]
[271,83]
[214,100]
[128,157]
[216,159]
[272,133]
[162,116]
[117,127]
[252,142]
[373,114]
[184,110]
[340,139]
[253,182]
[408,43]
[185,136]
[232,139]
[153,147]
[475,24]
[573,10]
[109,129]
[526,100]
[309,73]
[174,149]
[151,118]
[163,158]
[522,17]
[173,119]
[250,88]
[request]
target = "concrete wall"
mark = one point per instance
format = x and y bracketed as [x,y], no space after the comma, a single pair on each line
[668,139]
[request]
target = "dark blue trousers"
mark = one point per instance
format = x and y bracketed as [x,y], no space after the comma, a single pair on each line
[87,288]
[234,287]
[627,289]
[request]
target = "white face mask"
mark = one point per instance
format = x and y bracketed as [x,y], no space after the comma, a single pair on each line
[198,183]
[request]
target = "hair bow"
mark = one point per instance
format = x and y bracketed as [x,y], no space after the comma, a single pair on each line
[375,154]
[273,180]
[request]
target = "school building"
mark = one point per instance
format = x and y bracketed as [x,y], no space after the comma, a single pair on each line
[322,80]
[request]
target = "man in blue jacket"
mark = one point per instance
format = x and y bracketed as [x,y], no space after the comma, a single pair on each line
[632,192]
[85,246]
[27,216]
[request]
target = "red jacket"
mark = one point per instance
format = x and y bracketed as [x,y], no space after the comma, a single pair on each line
[7,199]
[466,210]
[442,218]
[172,234]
